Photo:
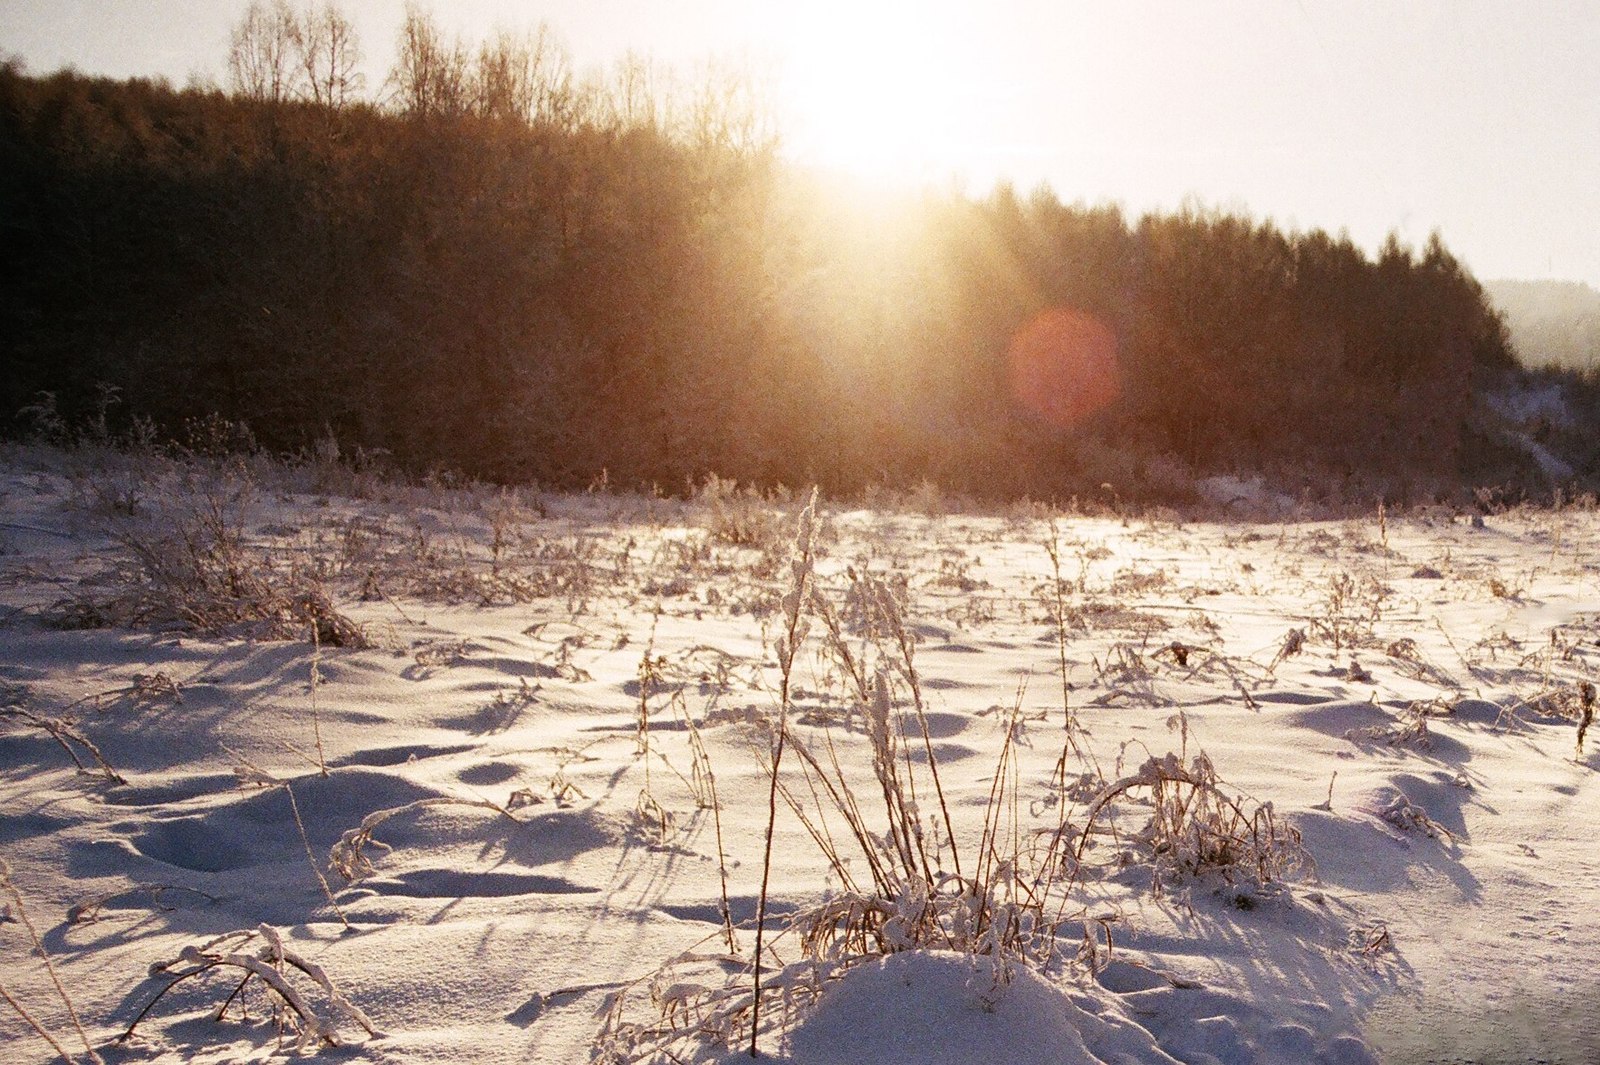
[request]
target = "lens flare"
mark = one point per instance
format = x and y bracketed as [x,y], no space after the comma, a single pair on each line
[1064,366]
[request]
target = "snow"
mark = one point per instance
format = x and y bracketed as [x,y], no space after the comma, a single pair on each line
[1529,402]
[1247,494]
[547,853]
[910,1008]
[1529,408]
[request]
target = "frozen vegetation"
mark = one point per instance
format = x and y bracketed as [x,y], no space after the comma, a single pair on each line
[296,759]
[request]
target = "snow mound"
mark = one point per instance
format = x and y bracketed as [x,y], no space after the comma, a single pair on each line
[917,1007]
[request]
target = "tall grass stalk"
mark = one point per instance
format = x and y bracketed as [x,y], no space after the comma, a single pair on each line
[702,767]
[891,613]
[1053,547]
[788,643]
[316,682]
[311,859]
[1069,722]
[55,977]
[33,1022]
[647,808]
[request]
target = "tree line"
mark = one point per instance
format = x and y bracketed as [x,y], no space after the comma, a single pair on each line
[500,267]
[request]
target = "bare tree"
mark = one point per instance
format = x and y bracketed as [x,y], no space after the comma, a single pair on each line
[430,76]
[524,76]
[502,83]
[327,54]
[637,96]
[730,108]
[552,78]
[261,53]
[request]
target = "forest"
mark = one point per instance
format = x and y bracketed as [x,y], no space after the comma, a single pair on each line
[503,269]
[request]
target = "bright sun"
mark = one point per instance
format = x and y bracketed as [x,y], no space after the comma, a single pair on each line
[875,89]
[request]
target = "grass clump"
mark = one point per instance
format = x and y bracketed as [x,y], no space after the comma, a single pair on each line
[739,517]
[184,561]
[864,783]
[906,879]
[1197,830]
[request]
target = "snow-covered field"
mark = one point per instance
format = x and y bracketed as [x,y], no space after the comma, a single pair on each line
[1321,799]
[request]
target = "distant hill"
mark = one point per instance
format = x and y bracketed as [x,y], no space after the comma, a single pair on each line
[1552,323]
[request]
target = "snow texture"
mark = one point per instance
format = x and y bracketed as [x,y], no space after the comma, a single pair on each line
[1419,734]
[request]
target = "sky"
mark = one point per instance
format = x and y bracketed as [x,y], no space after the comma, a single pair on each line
[1476,118]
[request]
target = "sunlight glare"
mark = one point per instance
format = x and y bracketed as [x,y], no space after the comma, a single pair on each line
[875,89]
[1064,366]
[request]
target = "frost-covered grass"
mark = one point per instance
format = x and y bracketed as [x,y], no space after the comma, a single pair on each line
[1027,786]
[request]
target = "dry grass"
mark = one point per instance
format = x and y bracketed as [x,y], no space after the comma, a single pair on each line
[281,972]
[349,857]
[88,910]
[788,644]
[1407,816]
[1351,610]
[1410,730]
[1586,699]
[17,910]
[66,734]
[185,562]
[903,875]
[1196,829]
[740,517]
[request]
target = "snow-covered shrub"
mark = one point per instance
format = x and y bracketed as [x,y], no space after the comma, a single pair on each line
[185,561]
[279,971]
[906,880]
[1196,829]
[738,516]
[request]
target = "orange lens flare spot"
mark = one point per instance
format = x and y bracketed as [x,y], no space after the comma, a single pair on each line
[1064,366]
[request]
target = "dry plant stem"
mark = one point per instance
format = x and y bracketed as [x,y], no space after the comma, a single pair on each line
[1586,697]
[347,856]
[722,865]
[845,802]
[1176,812]
[818,829]
[269,970]
[1326,805]
[316,717]
[88,911]
[840,646]
[903,639]
[1053,547]
[858,823]
[702,764]
[145,686]
[886,766]
[794,611]
[61,730]
[988,858]
[55,978]
[647,679]
[35,1025]
[1069,722]
[311,859]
